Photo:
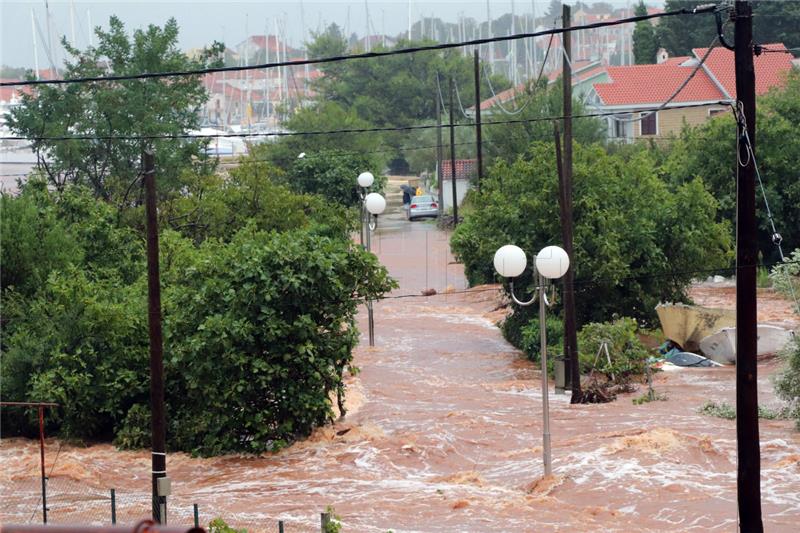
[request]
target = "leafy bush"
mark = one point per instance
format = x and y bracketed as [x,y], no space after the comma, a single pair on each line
[787,383]
[218,525]
[531,342]
[259,325]
[35,241]
[259,333]
[628,354]
[786,277]
[216,206]
[81,343]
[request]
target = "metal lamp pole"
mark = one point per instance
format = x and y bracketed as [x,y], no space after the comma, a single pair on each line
[548,462]
[372,204]
[551,263]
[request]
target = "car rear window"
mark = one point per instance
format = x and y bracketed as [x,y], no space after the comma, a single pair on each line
[422,199]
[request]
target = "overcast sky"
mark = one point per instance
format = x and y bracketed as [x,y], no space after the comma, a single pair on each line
[203,21]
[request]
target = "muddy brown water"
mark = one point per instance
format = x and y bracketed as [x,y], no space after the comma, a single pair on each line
[444,434]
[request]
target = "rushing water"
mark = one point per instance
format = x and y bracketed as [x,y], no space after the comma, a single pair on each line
[444,434]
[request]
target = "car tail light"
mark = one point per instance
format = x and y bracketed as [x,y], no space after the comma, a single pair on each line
[434,205]
[413,206]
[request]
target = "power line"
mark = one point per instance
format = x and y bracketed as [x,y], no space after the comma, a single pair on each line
[535,85]
[675,94]
[346,131]
[587,283]
[368,55]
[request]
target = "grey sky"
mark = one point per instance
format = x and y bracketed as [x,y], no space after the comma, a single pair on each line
[202,21]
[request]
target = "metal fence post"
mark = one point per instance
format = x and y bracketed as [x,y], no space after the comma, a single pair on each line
[113,506]
[196,516]
[280,526]
[325,520]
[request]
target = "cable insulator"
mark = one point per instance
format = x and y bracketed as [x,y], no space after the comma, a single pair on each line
[777,239]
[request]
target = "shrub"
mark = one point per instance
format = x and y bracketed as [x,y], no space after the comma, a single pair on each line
[531,340]
[787,383]
[786,277]
[259,332]
[628,354]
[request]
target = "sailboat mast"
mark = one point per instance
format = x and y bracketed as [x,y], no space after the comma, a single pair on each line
[35,48]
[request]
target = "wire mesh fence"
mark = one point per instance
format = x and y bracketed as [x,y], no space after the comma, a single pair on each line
[74,502]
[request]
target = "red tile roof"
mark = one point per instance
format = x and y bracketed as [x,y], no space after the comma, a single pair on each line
[465,168]
[653,84]
[770,68]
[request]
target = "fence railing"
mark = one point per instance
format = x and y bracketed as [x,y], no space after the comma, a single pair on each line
[76,503]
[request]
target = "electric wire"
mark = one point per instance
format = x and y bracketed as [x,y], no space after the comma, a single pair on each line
[499,102]
[343,131]
[585,284]
[368,55]
[675,94]
[741,120]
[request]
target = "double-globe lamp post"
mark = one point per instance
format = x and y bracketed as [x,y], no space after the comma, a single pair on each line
[552,262]
[372,205]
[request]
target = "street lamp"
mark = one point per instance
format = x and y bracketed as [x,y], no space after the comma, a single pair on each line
[552,262]
[372,205]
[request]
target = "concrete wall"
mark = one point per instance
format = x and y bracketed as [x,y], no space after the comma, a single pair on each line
[462,186]
[671,121]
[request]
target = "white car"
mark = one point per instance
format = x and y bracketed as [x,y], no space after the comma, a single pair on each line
[422,206]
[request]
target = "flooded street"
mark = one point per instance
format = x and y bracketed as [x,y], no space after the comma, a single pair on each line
[444,434]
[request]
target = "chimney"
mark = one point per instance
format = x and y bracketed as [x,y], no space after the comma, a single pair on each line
[661,56]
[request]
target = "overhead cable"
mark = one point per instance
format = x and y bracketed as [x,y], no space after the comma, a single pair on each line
[675,94]
[342,131]
[368,55]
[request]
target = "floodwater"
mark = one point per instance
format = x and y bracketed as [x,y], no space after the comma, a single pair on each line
[444,434]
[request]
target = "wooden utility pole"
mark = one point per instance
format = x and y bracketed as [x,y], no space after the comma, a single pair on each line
[747,449]
[439,176]
[453,153]
[479,147]
[565,204]
[158,424]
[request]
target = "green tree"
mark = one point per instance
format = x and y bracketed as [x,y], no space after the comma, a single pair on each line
[322,116]
[631,250]
[332,174]
[217,207]
[509,141]
[101,111]
[777,22]
[709,151]
[679,34]
[645,44]
[328,43]
[773,22]
[35,242]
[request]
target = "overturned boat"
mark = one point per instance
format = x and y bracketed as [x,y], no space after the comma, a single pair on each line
[687,325]
[721,346]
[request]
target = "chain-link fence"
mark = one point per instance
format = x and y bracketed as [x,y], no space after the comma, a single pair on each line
[74,502]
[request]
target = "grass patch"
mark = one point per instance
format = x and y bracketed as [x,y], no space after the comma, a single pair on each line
[728,411]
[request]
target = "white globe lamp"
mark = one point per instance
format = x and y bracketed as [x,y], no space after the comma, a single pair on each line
[366,179]
[510,261]
[375,203]
[552,262]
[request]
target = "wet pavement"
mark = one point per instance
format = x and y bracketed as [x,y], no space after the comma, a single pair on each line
[444,434]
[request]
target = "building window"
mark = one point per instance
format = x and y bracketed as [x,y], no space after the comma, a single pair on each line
[621,126]
[714,111]
[648,123]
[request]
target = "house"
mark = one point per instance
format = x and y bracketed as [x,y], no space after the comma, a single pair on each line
[466,170]
[632,89]
[584,75]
